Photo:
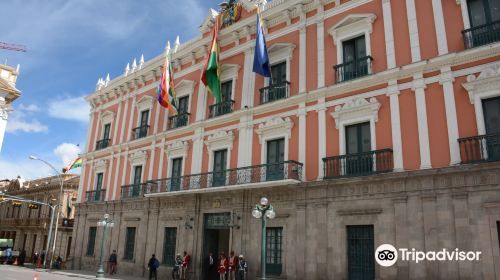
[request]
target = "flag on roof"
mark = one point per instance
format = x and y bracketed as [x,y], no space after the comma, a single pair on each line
[211,72]
[74,164]
[165,91]
[261,58]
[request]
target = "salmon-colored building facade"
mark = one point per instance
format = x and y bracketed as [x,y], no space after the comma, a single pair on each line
[382,119]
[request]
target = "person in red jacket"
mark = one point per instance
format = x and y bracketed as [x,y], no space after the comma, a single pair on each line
[185,264]
[223,266]
[233,265]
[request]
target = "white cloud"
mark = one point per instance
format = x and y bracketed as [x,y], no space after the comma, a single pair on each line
[17,123]
[27,169]
[67,152]
[70,108]
[32,108]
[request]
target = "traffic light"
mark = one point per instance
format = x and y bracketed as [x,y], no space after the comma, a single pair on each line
[33,206]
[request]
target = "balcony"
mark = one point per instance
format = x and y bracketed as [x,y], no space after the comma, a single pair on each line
[353,69]
[102,144]
[480,148]
[67,222]
[140,132]
[178,120]
[481,35]
[275,92]
[95,196]
[219,109]
[358,164]
[230,177]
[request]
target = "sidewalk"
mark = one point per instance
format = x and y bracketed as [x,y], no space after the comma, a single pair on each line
[91,274]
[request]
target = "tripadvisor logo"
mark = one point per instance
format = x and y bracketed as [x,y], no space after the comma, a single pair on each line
[387,255]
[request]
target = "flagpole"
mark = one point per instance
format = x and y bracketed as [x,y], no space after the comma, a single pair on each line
[260,8]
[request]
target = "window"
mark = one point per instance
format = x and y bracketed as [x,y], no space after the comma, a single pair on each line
[142,130]
[355,62]
[226,105]
[491,109]
[137,180]
[484,17]
[358,146]
[274,240]
[278,89]
[107,130]
[175,180]
[360,252]
[219,170]
[226,90]
[144,118]
[104,142]
[129,243]
[91,241]
[169,246]
[182,117]
[98,185]
[278,73]
[275,159]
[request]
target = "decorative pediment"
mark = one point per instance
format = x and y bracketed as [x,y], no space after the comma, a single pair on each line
[281,51]
[107,117]
[185,87]
[275,126]
[207,24]
[355,109]
[229,71]
[352,25]
[146,102]
[139,157]
[101,165]
[487,81]
[177,148]
[219,140]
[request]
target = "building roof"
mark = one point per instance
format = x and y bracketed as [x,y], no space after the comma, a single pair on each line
[70,181]
[7,87]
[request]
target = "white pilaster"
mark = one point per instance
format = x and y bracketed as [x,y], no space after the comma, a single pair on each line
[389,34]
[197,151]
[321,47]
[465,13]
[80,183]
[162,156]
[397,145]
[302,113]
[245,141]
[124,119]
[446,80]
[116,180]
[413,30]
[248,79]
[130,120]
[152,160]
[124,171]
[423,130]
[109,172]
[116,125]
[302,58]
[321,109]
[202,101]
[442,41]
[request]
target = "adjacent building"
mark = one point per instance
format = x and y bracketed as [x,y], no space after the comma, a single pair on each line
[380,125]
[28,225]
[8,93]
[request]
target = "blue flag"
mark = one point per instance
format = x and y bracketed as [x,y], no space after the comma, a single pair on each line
[261,59]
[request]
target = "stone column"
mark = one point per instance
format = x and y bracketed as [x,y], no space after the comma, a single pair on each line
[322,241]
[437,9]
[431,238]
[302,57]
[397,145]
[389,34]
[446,80]
[401,222]
[302,113]
[463,233]
[423,131]
[300,262]
[446,235]
[197,151]
[321,109]
[413,30]
[321,47]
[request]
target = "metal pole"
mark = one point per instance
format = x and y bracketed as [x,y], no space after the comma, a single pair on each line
[263,249]
[57,220]
[48,238]
[100,270]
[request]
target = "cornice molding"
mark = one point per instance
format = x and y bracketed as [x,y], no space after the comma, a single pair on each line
[487,80]
[275,126]
[356,108]
[220,139]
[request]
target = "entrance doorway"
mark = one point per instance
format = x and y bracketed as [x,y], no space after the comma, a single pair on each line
[216,235]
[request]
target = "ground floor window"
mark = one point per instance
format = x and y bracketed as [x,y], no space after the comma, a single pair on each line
[169,246]
[129,243]
[360,252]
[274,240]
[91,242]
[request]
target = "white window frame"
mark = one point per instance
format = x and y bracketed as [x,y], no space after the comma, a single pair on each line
[100,166]
[107,118]
[136,159]
[350,27]
[275,128]
[174,150]
[221,140]
[465,13]
[229,72]
[145,103]
[355,111]
[185,88]
[280,52]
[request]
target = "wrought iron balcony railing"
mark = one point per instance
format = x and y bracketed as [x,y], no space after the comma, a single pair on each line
[178,120]
[140,132]
[95,196]
[238,176]
[219,109]
[275,92]
[358,164]
[482,35]
[480,148]
[102,144]
[353,69]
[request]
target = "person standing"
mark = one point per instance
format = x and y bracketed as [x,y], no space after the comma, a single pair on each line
[177,267]
[223,266]
[210,269]
[233,265]
[153,265]
[22,257]
[242,268]
[185,264]
[112,263]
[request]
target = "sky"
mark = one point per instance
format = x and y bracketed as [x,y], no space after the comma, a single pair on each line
[70,45]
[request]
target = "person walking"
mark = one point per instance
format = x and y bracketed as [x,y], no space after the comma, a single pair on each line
[233,265]
[153,265]
[112,263]
[242,268]
[185,265]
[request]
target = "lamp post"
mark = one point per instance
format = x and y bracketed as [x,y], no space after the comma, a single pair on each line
[105,223]
[21,199]
[59,209]
[261,211]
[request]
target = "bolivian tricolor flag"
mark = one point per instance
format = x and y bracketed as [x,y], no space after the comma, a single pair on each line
[75,164]
[166,92]
[211,72]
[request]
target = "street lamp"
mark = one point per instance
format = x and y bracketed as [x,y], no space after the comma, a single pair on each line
[105,223]
[261,211]
[58,212]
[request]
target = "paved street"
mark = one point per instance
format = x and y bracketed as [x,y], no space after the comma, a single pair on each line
[8,272]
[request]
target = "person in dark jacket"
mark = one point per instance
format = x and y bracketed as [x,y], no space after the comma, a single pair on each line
[153,265]
[210,267]
[112,263]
